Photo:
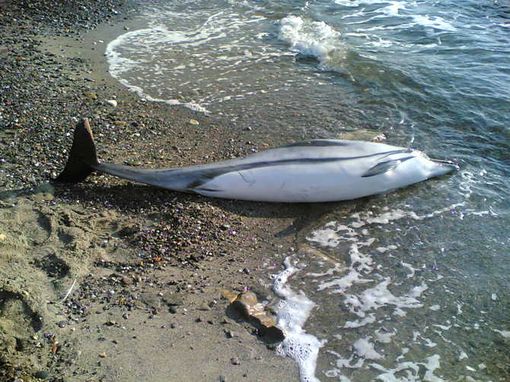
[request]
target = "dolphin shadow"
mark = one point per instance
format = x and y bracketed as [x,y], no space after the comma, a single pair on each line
[137,198]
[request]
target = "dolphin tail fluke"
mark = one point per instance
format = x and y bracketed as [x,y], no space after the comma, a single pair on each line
[82,157]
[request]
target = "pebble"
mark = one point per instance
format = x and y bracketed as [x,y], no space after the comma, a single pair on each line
[172,299]
[172,309]
[112,102]
[102,355]
[90,95]
[2,237]
[42,374]
[235,361]
[194,122]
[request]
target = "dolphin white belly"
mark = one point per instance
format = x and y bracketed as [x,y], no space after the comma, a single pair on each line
[335,180]
[313,171]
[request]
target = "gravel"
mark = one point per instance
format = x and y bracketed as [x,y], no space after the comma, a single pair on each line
[42,96]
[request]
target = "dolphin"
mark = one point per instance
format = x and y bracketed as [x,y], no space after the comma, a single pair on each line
[322,170]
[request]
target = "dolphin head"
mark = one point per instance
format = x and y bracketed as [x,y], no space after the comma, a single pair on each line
[443,167]
[435,167]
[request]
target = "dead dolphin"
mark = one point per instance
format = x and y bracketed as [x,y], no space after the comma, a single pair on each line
[312,171]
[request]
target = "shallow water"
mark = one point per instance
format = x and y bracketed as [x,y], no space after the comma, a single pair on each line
[409,286]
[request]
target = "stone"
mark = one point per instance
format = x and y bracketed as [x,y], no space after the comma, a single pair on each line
[90,95]
[235,361]
[42,374]
[172,299]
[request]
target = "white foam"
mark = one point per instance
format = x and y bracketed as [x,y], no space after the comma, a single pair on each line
[332,235]
[366,349]
[412,270]
[357,3]
[380,296]
[384,336]
[408,371]
[434,22]
[360,263]
[293,310]
[383,299]
[369,319]
[342,362]
[208,59]
[312,38]
[504,333]
[118,65]
[393,9]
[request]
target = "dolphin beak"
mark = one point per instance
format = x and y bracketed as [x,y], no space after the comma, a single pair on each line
[445,166]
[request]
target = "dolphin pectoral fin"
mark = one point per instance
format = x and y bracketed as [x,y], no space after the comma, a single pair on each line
[383,167]
[82,157]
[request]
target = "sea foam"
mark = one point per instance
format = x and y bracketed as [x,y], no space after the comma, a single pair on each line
[294,309]
[118,64]
[312,38]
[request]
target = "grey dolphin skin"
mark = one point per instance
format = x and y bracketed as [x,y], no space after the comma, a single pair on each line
[306,172]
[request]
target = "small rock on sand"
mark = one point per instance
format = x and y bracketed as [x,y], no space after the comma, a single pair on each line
[112,102]
[90,95]
[235,361]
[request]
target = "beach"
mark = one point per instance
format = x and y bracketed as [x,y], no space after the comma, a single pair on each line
[110,281]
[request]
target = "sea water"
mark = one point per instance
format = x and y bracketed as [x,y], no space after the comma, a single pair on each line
[410,286]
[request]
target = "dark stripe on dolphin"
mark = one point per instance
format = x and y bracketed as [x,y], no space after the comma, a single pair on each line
[319,143]
[194,177]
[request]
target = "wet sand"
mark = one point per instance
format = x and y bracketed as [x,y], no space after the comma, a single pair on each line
[111,281]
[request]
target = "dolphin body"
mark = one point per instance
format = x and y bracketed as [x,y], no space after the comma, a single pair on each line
[307,172]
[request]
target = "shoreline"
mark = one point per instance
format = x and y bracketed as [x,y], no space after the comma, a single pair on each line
[147,265]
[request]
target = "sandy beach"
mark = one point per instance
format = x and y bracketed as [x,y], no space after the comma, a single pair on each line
[107,280]
[110,281]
